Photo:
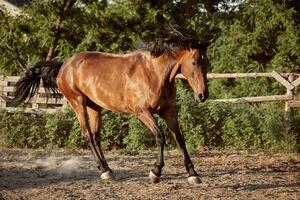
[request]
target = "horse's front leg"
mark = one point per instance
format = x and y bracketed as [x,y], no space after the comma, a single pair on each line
[147,118]
[170,116]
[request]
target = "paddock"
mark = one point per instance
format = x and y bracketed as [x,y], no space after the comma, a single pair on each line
[62,174]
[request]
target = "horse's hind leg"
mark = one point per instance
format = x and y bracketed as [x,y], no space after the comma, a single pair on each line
[94,113]
[79,104]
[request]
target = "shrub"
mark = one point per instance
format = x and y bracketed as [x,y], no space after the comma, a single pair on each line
[22,130]
[114,129]
[213,125]
[240,126]
[57,128]
[139,137]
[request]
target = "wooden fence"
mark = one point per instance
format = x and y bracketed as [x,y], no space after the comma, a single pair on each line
[289,80]
[38,103]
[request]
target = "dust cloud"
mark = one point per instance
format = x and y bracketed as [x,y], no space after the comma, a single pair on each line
[64,167]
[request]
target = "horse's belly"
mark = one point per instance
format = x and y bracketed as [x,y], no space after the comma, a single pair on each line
[112,102]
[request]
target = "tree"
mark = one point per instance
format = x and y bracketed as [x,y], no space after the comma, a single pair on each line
[34,34]
[11,37]
[64,7]
[263,37]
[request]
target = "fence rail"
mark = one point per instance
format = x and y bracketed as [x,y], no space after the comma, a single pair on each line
[38,103]
[289,80]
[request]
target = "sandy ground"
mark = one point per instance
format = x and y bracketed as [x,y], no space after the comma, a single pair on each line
[28,174]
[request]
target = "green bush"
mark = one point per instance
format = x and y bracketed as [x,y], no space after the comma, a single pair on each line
[138,137]
[58,127]
[39,130]
[22,130]
[114,129]
[200,123]
[241,126]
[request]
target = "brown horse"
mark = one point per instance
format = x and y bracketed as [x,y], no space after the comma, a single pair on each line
[141,83]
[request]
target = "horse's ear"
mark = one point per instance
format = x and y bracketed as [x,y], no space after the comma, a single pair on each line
[204,44]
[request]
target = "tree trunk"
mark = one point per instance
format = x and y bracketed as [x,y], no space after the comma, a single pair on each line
[55,39]
[65,5]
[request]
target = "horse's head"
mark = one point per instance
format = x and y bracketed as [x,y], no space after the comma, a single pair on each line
[193,66]
[190,60]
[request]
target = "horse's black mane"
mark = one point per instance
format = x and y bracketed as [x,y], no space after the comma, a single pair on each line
[173,43]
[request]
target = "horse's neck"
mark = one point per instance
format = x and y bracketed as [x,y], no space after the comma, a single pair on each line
[166,67]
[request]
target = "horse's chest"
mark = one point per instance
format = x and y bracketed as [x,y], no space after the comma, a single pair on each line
[142,96]
[164,97]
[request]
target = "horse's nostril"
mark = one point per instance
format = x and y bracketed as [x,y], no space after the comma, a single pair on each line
[200,96]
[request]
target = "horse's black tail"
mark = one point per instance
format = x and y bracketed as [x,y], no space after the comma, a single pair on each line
[28,85]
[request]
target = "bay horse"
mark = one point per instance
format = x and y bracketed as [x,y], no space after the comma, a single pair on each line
[141,83]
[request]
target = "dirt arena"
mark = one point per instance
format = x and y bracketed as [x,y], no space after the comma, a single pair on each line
[61,174]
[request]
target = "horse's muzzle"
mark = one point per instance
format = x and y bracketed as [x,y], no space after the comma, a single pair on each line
[200,97]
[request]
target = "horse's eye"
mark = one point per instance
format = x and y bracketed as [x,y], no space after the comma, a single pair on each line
[194,63]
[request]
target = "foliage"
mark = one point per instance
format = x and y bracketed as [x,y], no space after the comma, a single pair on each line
[139,137]
[114,130]
[213,125]
[59,127]
[259,126]
[264,36]
[21,130]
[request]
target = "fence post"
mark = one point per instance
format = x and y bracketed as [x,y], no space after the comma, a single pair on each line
[2,102]
[287,108]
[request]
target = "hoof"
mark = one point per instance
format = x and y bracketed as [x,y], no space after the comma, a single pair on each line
[194,180]
[107,175]
[153,178]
